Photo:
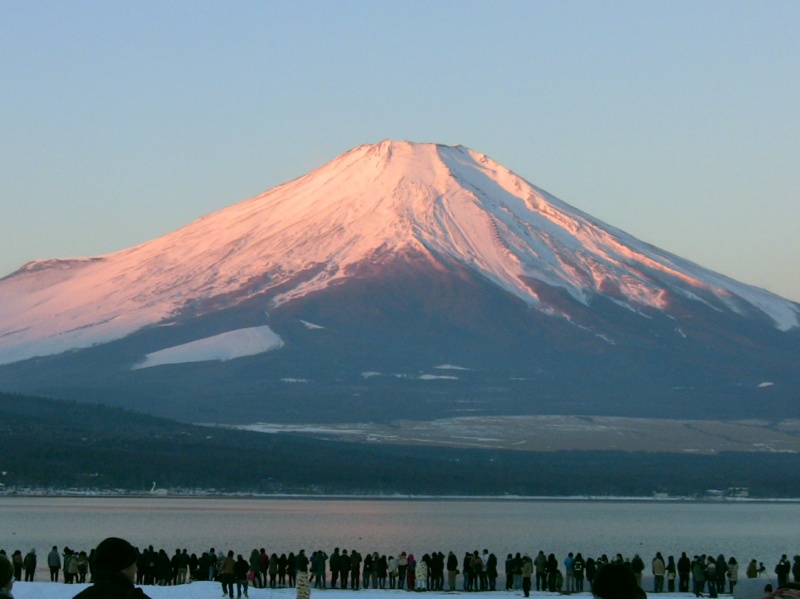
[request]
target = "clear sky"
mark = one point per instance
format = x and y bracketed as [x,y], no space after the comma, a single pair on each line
[678,122]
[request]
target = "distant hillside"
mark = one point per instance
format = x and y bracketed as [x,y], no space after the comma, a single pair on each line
[61,444]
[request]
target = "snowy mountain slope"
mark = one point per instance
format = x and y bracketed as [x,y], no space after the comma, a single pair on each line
[366,207]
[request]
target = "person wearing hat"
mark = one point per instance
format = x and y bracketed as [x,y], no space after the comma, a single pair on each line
[114,572]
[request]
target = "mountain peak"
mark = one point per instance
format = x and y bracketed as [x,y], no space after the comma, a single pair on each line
[367,206]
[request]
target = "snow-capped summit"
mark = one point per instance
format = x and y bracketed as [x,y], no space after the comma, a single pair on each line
[372,203]
[429,214]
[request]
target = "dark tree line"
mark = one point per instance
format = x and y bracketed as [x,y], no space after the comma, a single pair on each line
[64,444]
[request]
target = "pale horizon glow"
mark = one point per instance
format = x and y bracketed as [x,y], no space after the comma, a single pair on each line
[675,122]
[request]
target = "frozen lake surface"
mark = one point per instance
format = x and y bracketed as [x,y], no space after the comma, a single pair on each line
[745,530]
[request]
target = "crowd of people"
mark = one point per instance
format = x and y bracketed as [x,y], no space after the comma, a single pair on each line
[433,571]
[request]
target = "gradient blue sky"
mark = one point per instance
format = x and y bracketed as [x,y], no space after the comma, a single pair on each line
[674,121]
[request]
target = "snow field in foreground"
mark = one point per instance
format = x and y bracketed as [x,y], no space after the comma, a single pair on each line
[746,589]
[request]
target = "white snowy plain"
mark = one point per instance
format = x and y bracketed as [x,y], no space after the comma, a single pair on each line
[745,589]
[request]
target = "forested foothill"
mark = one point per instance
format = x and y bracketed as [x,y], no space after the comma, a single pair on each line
[64,446]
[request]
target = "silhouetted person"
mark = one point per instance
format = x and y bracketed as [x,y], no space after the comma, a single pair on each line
[6,577]
[616,581]
[115,571]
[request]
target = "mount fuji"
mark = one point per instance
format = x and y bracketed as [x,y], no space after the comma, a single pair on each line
[400,280]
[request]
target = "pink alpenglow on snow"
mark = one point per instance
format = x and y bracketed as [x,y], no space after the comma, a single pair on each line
[369,205]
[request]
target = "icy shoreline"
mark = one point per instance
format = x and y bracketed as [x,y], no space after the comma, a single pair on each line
[212,494]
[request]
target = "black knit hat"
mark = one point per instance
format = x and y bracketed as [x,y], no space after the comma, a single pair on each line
[114,555]
[6,572]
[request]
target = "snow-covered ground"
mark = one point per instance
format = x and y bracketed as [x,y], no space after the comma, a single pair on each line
[560,432]
[225,346]
[746,589]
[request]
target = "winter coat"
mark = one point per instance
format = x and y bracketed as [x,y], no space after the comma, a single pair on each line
[527,568]
[671,569]
[684,565]
[240,568]
[114,586]
[722,567]
[733,572]
[227,566]
[591,569]
[452,562]
[367,566]
[637,565]
[73,568]
[783,568]
[163,566]
[421,570]
[541,563]
[255,561]
[477,564]
[301,563]
[578,566]
[411,565]
[273,565]
[552,564]
[333,563]
[30,561]
[381,565]
[491,566]
[355,561]
[698,572]
[659,569]
[568,564]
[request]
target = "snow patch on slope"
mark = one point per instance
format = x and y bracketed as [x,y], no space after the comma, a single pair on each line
[416,377]
[222,347]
